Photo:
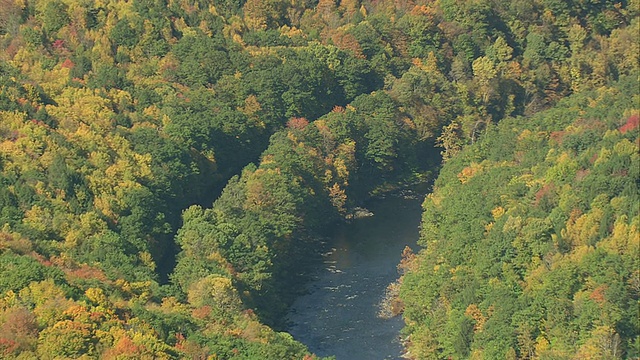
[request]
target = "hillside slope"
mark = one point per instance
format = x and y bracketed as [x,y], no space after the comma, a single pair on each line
[531,239]
[121,122]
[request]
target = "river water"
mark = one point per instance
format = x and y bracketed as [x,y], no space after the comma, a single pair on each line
[339,314]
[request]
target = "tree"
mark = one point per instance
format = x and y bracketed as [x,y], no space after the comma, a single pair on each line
[203,60]
[18,331]
[214,291]
[260,15]
[54,16]
[20,270]
[66,338]
[484,72]
[122,34]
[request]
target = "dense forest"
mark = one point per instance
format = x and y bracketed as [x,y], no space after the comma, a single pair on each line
[168,168]
[543,263]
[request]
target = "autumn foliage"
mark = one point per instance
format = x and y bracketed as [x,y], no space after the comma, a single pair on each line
[166,168]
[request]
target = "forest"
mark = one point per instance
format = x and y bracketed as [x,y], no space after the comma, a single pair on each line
[168,169]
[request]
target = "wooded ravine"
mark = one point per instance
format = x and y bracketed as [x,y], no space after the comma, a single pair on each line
[170,168]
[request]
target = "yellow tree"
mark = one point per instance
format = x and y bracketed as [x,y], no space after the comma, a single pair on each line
[261,14]
[484,71]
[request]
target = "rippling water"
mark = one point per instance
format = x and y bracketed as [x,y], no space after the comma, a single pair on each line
[339,315]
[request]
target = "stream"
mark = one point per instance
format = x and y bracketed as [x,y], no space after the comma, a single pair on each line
[338,316]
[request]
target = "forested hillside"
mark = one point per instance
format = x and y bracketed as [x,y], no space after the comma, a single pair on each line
[531,238]
[166,168]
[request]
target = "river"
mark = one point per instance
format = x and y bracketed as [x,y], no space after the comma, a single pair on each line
[339,314]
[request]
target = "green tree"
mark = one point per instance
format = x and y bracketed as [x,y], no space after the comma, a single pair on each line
[54,16]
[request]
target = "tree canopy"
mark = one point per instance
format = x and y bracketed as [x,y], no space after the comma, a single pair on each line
[167,169]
